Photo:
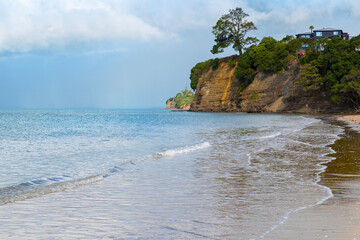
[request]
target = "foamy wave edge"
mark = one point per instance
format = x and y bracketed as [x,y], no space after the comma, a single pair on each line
[182,150]
[322,169]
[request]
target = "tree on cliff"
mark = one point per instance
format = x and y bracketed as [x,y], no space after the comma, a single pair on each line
[231,29]
[311,28]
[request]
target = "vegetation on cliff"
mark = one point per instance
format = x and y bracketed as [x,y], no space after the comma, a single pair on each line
[269,56]
[333,66]
[182,99]
[330,66]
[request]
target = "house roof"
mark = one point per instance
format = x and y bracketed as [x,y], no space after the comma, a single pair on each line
[307,33]
[327,30]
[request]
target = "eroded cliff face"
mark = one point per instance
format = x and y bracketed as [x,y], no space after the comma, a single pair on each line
[217,91]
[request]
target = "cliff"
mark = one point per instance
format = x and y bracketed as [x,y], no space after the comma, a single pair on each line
[217,91]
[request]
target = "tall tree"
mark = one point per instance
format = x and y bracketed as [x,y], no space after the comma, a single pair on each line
[311,28]
[231,29]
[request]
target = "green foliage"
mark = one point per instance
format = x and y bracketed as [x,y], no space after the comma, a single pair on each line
[294,45]
[183,98]
[332,66]
[269,56]
[215,64]
[310,78]
[288,38]
[231,29]
[355,43]
[244,71]
[231,63]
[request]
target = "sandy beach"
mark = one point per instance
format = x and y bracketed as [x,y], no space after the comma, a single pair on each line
[352,118]
[339,216]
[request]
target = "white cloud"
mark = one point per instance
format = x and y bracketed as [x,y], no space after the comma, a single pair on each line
[278,18]
[27,25]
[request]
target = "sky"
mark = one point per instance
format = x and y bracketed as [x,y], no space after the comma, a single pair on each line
[131,53]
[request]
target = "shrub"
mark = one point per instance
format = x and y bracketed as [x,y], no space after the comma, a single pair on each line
[332,66]
[215,64]
[232,63]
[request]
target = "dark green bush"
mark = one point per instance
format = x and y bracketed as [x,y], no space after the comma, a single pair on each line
[231,62]
[215,64]
[333,66]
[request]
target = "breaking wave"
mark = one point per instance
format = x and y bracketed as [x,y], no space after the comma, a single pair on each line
[182,150]
[40,187]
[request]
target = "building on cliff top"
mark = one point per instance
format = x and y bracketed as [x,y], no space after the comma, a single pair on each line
[321,33]
[325,32]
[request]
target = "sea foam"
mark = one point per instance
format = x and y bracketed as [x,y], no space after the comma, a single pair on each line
[182,150]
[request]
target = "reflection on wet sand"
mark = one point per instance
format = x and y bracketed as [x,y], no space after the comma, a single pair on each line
[339,216]
[345,168]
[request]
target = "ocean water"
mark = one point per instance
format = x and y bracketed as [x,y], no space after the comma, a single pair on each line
[155,174]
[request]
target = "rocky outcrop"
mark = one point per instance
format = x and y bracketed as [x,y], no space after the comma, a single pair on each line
[170,104]
[185,107]
[217,90]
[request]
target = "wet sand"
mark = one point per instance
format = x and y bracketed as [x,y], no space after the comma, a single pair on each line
[339,216]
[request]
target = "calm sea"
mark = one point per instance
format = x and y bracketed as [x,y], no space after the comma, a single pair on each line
[154,174]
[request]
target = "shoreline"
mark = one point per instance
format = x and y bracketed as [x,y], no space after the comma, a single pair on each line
[337,217]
